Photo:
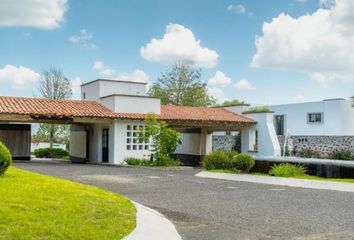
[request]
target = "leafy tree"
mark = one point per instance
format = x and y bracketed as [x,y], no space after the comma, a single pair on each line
[182,86]
[54,85]
[163,139]
[234,102]
[61,133]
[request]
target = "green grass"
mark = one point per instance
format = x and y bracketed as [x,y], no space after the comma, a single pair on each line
[345,180]
[35,206]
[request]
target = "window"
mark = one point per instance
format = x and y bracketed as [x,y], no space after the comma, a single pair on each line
[279,124]
[133,141]
[315,117]
[84,96]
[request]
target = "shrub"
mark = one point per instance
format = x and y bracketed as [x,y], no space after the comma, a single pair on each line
[133,161]
[287,170]
[308,153]
[50,153]
[5,159]
[243,162]
[164,160]
[217,160]
[342,155]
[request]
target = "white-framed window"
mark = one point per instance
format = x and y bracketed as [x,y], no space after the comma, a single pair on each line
[133,141]
[279,122]
[315,117]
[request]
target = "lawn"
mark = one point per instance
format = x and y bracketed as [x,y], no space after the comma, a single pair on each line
[346,180]
[35,206]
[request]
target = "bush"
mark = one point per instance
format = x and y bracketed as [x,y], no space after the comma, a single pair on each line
[165,161]
[217,160]
[287,170]
[243,162]
[5,159]
[342,155]
[133,161]
[308,153]
[50,153]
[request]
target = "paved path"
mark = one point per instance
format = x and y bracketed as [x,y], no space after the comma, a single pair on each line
[280,181]
[204,209]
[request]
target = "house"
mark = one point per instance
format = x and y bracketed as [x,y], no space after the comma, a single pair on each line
[105,123]
[323,126]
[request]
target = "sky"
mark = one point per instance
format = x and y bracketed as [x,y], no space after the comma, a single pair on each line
[261,52]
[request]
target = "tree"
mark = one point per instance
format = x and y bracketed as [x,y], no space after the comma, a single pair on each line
[60,133]
[163,139]
[54,85]
[182,86]
[234,102]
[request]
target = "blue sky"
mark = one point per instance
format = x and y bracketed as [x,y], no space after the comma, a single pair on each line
[295,59]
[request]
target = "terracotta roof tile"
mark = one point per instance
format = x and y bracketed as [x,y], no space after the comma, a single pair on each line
[92,109]
[49,107]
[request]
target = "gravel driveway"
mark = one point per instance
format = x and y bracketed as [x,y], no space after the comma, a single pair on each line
[203,209]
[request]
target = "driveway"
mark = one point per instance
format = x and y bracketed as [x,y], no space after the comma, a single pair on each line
[203,209]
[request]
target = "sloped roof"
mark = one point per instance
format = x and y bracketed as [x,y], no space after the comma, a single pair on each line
[92,109]
[49,107]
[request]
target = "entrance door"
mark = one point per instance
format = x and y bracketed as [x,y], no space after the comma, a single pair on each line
[105,145]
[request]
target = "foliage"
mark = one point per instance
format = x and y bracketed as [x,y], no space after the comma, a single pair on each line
[60,133]
[234,102]
[132,161]
[341,155]
[5,159]
[263,109]
[182,86]
[50,153]
[243,162]
[164,140]
[159,162]
[308,153]
[287,170]
[35,206]
[219,160]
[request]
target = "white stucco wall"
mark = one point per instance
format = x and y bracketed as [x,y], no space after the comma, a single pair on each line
[190,144]
[132,104]
[96,89]
[38,145]
[338,117]
[268,144]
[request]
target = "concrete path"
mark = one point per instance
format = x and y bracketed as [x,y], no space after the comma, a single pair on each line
[281,181]
[152,225]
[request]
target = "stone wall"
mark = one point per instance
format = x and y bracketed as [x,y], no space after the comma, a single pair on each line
[227,142]
[323,144]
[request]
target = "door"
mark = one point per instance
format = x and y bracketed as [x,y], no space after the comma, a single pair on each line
[105,145]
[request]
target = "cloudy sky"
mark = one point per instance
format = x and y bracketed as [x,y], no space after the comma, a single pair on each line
[263,52]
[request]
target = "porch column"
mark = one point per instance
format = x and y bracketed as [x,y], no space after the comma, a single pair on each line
[206,142]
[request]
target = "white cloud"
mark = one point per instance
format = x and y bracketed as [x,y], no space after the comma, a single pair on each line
[320,44]
[219,79]
[236,8]
[18,76]
[300,98]
[244,84]
[83,39]
[104,70]
[327,3]
[42,14]
[108,72]
[179,45]
[217,93]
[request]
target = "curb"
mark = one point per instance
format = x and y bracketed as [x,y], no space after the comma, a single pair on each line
[281,181]
[152,225]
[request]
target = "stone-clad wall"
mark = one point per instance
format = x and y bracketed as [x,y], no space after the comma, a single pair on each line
[323,144]
[226,142]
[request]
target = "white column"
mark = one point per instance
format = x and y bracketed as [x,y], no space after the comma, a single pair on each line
[206,142]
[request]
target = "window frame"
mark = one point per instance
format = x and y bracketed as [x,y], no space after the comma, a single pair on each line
[308,116]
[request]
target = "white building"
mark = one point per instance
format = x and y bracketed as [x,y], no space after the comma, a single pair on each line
[105,123]
[332,117]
